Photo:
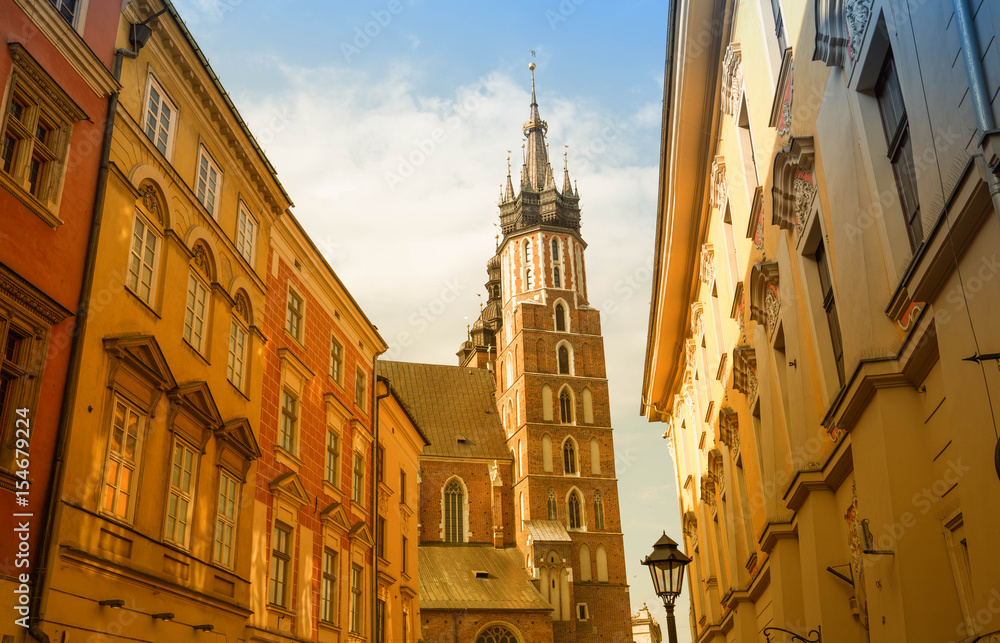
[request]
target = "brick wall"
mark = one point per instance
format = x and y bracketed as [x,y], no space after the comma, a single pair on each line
[440,626]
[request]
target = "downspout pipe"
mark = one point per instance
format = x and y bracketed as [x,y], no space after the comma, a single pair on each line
[375,536]
[76,352]
[977,91]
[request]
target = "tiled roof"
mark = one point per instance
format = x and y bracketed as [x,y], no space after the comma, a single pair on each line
[448,579]
[454,407]
[547,531]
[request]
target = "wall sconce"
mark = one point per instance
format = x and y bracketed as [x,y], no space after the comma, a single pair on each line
[115,603]
[163,616]
[208,627]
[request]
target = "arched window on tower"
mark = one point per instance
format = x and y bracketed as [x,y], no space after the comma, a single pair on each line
[555,250]
[563,354]
[454,509]
[556,278]
[552,504]
[547,453]
[529,275]
[569,456]
[585,563]
[565,407]
[595,457]
[547,403]
[598,510]
[573,510]
[561,325]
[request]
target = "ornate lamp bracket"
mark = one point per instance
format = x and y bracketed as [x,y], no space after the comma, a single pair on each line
[816,632]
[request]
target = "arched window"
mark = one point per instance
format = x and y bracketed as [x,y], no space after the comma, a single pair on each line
[556,279]
[454,508]
[564,363]
[510,371]
[598,510]
[547,403]
[602,564]
[585,563]
[565,407]
[555,250]
[517,407]
[497,634]
[520,458]
[573,510]
[595,456]
[520,513]
[569,456]
[529,275]
[588,406]
[547,453]
[561,321]
[552,504]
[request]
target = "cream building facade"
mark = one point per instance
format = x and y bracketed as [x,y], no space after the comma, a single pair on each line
[825,269]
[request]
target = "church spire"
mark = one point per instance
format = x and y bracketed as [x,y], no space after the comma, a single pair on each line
[537,170]
[509,195]
[567,189]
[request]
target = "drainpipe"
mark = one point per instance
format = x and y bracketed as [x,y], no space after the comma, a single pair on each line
[375,397]
[977,91]
[76,352]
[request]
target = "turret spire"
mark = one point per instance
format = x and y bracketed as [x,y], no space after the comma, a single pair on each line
[567,189]
[536,163]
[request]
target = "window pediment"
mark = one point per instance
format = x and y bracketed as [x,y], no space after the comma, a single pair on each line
[289,487]
[361,534]
[25,64]
[138,364]
[236,436]
[195,399]
[794,185]
[335,517]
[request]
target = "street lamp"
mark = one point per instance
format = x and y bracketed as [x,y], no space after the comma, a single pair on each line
[666,566]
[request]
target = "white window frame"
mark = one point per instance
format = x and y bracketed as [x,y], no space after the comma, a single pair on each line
[246,234]
[300,313]
[286,555]
[168,144]
[117,461]
[292,419]
[358,478]
[137,261]
[361,390]
[357,623]
[177,516]
[328,586]
[226,520]
[236,364]
[331,462]
[192,319]
[203,192]
[336,361]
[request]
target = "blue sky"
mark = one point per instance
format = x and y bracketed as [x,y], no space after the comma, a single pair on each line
[393,144]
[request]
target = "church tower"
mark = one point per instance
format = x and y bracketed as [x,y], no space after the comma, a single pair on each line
[544,342]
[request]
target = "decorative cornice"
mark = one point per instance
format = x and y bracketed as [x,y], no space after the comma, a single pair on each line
[857,14]
[765,304]
[831,32]
[25,64]
[732,79]
[794,185]
[45,309]
[745,371]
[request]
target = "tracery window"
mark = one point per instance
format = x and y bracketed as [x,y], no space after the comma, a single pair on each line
[497,634]
[454,505]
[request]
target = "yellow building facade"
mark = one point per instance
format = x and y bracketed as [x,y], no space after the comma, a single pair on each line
[150,535]
[824,272]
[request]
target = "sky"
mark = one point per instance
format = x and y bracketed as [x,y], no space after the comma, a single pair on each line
[389,123]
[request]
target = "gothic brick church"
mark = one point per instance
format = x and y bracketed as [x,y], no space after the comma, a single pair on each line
[520,534]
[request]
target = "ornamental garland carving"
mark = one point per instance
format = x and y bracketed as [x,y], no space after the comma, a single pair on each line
[765,304]
[242,307]
[732,79]
[151,201]
[697,320]
[803,189]
[771,308]
[707,264]
[745,371]
[858,13]
[720,191]
[794,185]
[201,258]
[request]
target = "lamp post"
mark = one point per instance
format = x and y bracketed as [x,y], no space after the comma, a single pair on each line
[666,566]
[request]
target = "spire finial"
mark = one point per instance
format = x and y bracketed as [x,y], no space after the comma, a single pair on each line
[566,157]
[531,66]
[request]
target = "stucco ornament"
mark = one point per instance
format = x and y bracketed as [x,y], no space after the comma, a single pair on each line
[772,309]
[858,13]
[803,190]
[732,79]
[151,202]
[707,263]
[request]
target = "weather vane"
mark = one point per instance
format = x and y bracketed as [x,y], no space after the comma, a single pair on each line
[532,52]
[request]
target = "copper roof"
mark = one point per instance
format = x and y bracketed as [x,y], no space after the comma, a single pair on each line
[453,405]
[547,531]
[475,577]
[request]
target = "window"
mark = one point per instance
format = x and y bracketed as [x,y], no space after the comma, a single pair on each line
[246,234]
[208,183]
[779,26]
[332,457]
[403,558]
[529,275]
[564,366]
[66,8]
[195,312]
[357,604]
[380,463]
[565,407]
[225,524]
[379,621]
[359,478]
[289,419]
[561,322]
[830,306]
[601,556]
[573,510]
[497,634]
[588,409]
[237,353]
[380,537]
[598,510]
[402,487]
[454,507]
[281,564]
[180,496]
[585,570]
[142,259]
[15,389]
[160,117]
[360,389]
[336,361]
[581,611]
[546,453]
[595,456]
[328,589]
[896,128]
[569,456]
[36,129]
[552,505]
[556,265]
[123,461]
[293,318]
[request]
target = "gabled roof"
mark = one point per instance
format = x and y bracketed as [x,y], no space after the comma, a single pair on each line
[240,434]
[450,403]
[197,398]
[143,355]
[448,579]
[289,486]
[547,531]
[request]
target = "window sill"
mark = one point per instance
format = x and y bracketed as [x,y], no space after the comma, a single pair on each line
[283,611]
[295,340]
[196,351]
[286,458]
[238,390]
[333,627]
[331,490]
[30,201]
[144,303]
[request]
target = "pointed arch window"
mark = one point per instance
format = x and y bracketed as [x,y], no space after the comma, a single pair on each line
[565,407]
[552,504]
[569,456]
[585,571]
[546,453]
[497,634]
[598,510]
[454,505]
[573,510]
[563,354]
[561,326]
[529,275]
[555,250]
[556,277]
